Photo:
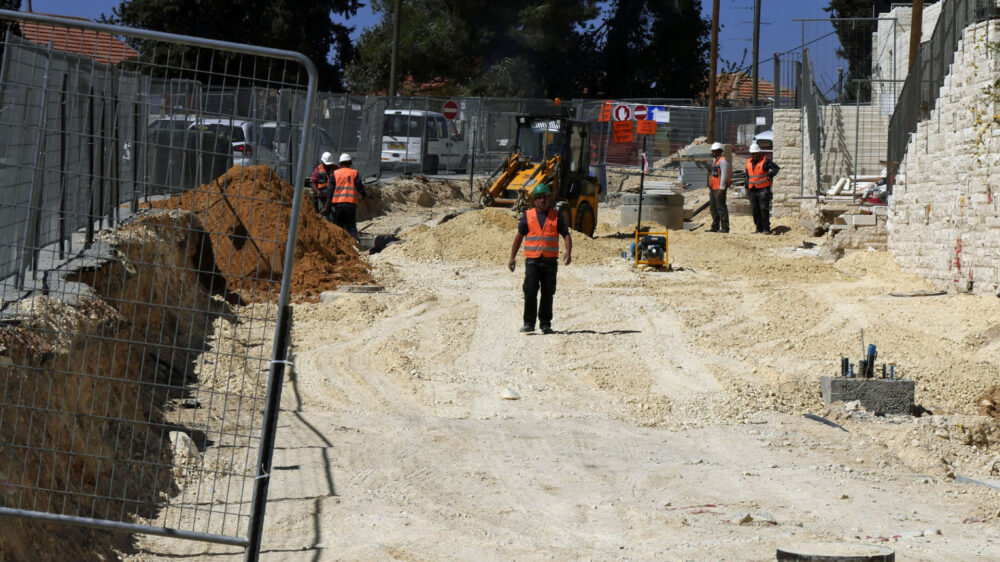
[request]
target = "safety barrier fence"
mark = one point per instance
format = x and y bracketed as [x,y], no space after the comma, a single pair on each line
[928,70]
[141,365]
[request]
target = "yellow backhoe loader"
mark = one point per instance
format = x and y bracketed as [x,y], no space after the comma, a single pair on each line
[555,151]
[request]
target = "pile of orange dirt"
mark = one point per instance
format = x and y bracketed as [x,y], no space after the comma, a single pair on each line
[246,213]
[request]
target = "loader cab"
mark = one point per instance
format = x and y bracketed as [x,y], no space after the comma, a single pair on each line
[540,138]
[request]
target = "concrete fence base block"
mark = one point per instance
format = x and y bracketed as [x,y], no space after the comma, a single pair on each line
[886,396]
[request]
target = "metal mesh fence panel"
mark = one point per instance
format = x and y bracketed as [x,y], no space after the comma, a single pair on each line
[929,68]
[144,275]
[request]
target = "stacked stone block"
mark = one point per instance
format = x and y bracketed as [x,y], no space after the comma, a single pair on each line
[944,218]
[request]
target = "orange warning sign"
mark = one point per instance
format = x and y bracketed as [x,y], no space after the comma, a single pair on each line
[622,132]
[606,111]
[645,127]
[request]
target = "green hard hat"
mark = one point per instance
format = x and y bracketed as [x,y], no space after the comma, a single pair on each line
[540,189]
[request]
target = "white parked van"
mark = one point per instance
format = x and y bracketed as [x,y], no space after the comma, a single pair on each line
[424,141]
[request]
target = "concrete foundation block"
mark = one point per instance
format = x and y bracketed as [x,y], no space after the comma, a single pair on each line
[886,396]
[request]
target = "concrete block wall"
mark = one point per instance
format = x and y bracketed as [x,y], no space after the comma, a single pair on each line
[944,218]
[843,150]
[891,50]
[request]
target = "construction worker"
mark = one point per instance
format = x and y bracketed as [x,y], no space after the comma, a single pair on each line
[320,181]
[541,226]
[347,191]
[718,181]
[760,174]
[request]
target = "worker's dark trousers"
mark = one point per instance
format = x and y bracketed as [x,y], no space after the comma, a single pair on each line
[539,273]
[720,212]
[760,206]
[345,215]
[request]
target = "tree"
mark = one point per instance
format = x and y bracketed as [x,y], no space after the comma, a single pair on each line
[655,48]
[296,25]
[855,43]
[478,47]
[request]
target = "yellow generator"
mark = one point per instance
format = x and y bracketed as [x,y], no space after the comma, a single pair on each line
[554,151]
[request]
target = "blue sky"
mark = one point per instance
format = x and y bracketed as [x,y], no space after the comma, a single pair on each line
[779,31]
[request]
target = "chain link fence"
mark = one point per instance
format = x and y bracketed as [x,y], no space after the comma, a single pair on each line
[144,281]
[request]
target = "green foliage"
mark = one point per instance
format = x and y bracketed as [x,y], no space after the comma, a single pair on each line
[656,48]
[855,43]
[297,25]
[537,48]
[478,47]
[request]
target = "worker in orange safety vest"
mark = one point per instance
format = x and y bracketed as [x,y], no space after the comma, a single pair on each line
[718,181]
[760,175]
[540,228]
[320,180]
[347,192]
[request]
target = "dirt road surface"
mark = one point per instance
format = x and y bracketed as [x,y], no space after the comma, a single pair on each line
[662,421]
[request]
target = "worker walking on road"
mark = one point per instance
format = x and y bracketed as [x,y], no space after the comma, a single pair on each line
[320,180]
[718,182]
[541,228]
[760,174]
[347,192]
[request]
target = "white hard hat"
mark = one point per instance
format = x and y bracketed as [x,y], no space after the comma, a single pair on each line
[345,157]
[327,158]
[716,146]
[754,148]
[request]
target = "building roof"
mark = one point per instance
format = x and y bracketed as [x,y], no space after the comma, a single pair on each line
[737,88]
[99,46]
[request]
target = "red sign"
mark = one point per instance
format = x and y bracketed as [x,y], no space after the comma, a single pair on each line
[622,113]
[622,132]
[450,109]
[639,112]
[645,127]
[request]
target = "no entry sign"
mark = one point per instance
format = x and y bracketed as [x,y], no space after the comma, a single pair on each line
[639,112]
[450,109]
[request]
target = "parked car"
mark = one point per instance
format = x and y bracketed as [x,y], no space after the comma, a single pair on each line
[277,140]
[414,139]
[243,135]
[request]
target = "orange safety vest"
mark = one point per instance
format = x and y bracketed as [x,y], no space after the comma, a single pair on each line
[322,177]
[756,176]
[542,242]
[715,178]
[344,190]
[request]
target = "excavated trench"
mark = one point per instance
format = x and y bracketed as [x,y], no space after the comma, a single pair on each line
[89,367]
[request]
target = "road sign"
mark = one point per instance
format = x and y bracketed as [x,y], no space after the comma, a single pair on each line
[658,113]
[639,112]
[623,113]
[606,107]
[450,110]
[622,131]
[645,127]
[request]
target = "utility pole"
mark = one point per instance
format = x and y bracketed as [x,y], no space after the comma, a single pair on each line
[395,51]
[713,61]
[29,5]
[756,49]
[917,18]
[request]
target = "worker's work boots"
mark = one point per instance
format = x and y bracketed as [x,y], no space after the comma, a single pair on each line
[528,328]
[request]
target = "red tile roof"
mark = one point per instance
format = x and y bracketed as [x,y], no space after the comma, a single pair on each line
[737,87]
[102,47]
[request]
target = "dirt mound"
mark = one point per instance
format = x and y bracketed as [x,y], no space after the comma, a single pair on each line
[486,236]
[246,213]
